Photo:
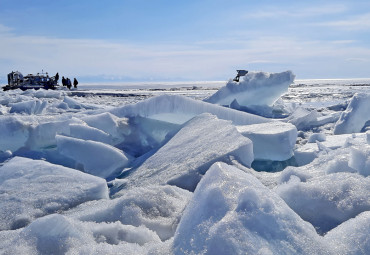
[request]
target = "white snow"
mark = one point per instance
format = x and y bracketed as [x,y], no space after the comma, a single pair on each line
[352,236]
[272,140]
[231,212]
[32,188]
[158,208]
[353,119]
[256,88]
[329,200]
[311,150]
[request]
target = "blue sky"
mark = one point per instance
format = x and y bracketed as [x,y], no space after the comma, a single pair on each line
[184,40]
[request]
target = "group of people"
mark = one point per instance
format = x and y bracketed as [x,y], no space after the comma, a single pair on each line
[67,82]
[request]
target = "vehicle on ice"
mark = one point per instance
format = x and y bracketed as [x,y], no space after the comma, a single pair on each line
[16,80]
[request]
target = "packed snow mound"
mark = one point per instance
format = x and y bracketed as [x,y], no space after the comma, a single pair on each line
[92,157]
[352,236]
[179,109]
[57,234]
[199,149]
[231,212]
[256,88]
[354,118]
[328,200]
[32,188]
[158,208]
[272,140]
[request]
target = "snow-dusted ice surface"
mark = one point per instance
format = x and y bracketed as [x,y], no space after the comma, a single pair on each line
[186,176]
[236,214]
[256,88]
[272,140]
[32,188]
[354,118]
[198,152]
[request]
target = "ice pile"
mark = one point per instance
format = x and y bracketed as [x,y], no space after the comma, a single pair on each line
[256,88]
[174,175]
[198,152]
[236,214]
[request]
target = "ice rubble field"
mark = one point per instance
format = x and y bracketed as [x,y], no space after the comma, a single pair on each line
[86,172]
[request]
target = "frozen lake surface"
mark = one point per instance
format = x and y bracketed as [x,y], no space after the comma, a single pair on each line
[153,168]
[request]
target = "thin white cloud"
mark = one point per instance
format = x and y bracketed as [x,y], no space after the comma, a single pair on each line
[300,12]
[358,22]
[199,61]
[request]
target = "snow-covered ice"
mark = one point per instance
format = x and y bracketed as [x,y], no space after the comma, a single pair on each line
[112,170]
[354,118]
[256,88]
[236,214]
[32,188]
[272,140]
[179,109]
[198,152]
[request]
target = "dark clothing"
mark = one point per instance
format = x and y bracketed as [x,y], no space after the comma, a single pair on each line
[75,82]
[64,81]
[69,84]
[57,77]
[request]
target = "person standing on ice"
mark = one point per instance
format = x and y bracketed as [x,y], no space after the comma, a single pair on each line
[57,77]
[75,82]
[69,84]
[64,83]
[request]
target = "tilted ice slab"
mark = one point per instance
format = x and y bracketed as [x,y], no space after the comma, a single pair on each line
[117,128]
[32,188]
[191,151]
[329,200]
[231,212]
[353,119]
[256,88]
[86,132]
[29,107]
[352,236]
[14,133]
[92,157]
[179,109]
[272,140]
